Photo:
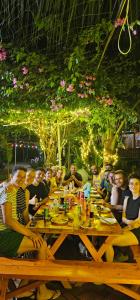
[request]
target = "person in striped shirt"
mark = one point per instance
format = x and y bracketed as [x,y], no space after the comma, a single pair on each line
[15,238]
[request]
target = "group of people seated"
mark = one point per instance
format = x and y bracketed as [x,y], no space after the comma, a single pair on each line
[122,194]
[27,189]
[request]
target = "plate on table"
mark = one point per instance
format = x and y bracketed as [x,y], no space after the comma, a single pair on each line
[70,215]
[97,196]
[60,220]
[57,192]
[86,225]
[104,209]
[108,221]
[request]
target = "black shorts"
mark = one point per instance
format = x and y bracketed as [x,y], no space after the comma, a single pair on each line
[136,232]
[10,241]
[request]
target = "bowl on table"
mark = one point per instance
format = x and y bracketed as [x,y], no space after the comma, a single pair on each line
[108,221]
[59,220]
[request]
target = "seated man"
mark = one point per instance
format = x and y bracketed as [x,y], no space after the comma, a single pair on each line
[50,181]
[38,192]
[119,191]
[59,177]
[96,179]
[73,178]
[15,238]
[131,218]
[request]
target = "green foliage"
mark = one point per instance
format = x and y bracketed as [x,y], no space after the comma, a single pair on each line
[37,92]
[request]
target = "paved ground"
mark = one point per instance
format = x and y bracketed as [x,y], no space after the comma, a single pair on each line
[89,291]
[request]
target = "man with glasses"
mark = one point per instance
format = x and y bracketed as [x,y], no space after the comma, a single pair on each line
[119,191]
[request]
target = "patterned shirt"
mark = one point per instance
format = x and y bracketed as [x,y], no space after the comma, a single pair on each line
[11,198]
[21,205]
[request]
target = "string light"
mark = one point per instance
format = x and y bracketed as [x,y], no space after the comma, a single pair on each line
[44,124]
[108,157]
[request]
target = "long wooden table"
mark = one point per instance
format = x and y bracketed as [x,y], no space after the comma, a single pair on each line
[62,231]
[98,229]
[109,231]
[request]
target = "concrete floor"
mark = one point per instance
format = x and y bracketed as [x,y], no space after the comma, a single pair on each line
[92,292]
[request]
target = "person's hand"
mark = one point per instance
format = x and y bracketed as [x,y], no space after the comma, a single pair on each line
[33,200]
[127,228]
[37,205]
[36,239]
[73,177]
[106,204]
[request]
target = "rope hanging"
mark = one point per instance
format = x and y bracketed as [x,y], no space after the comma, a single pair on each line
[125,22]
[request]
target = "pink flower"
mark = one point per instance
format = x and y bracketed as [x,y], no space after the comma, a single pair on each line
[88,83]
[70,88]
[119,22]
[91,91]
[54,108]
[14,81]
[134,32]
[81,96]
[109,101]
[89,77]
[63,83]
[3,54]
[25,70]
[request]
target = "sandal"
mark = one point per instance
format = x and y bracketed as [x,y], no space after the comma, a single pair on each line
[55,295]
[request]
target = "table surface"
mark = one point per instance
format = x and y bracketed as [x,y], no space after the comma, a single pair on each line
[97,228]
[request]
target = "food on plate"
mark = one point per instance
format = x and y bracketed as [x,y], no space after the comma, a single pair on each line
[60,220]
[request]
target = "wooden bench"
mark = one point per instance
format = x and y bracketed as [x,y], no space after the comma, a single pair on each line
[38,271]
[136,253]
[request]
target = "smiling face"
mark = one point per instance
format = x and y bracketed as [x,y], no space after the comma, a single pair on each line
[30,175]
[18,178]
[38,176]
[73,169]
[48,174]
[59,174]
[134,186]
[119,180]
[94,170]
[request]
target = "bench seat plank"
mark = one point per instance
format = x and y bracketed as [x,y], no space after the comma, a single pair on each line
[123,273]
[136,252]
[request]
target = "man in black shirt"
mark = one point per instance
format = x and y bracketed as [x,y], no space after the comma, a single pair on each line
[38,193]
[73,177]
[119,191]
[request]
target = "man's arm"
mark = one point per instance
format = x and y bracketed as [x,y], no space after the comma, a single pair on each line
[16,226]
[67,180]
[114,196]
[11,222]
[77,181]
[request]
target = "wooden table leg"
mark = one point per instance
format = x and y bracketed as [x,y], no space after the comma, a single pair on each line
[107,243]
[53,249]
[58,243]
[125,290]
[3,288]
[89,246]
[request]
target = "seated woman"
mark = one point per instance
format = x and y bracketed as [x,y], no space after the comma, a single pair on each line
[59,177]
[131,217]
[50,181]
[105,187]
